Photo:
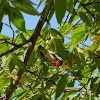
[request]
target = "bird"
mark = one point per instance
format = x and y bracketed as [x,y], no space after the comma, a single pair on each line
[51,56]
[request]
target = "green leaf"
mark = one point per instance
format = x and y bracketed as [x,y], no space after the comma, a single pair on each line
[5,37]
[60,9]
[40,67]
[19,63]
[93,46]
[51,13]
[18,93]
[22,37]
[55,32]
[2,80]
[6,82]
[60,48]
[71,83]
[96,86]
[10,63]
[4,9]
[32,59]
[75,1]
[45,29]
[0,1]
[1,24]
[77,58]
[45,68]
[97,19]
[82,57]
[66,95]
[14,60]
[86,71]
[69,55]
[41,1]
[40,96]
[73,41]
[72,18]
[97,62]
[51,81]
[66,26]
[3,47]
[29,2]
[80,38]
[23,95]
[60,86]
[25,6]
[77,35]
[17,19]
[84,18]
[69,5]
[97,5]
[93,86]
[79,29]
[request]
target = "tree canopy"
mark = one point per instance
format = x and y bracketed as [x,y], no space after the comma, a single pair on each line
[26,75]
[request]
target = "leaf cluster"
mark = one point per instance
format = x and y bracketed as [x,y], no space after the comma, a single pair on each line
[41,80]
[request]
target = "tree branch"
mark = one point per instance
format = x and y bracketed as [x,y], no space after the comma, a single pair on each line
[66,89]
[71,27]
[88,11]
[9,27]
[14,48]
[90,3]
[5,41]
[29,40]
[64,21]
[33,40]
[53,83]
[85,84]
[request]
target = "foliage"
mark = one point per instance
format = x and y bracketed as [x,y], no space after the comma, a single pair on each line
[41,80]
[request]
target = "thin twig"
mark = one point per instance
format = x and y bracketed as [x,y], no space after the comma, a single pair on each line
[33,40]
[48,22]
[21,44]
[46,79]
[90,3]
[71,27]
[1,98]
[5,41]
[88,11]
[88,33]
[85,84]
[12,31]
[8,26]
[59,30]
[53,83]
[32,95]
[13,38]
[85,37]
[47,43]
[14,48]
[64,21]
[66,89]
[27,41]
[84,45]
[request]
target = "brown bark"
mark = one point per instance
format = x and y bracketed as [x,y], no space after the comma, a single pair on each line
[33,40]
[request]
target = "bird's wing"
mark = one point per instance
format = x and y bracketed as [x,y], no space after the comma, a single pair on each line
[56,55]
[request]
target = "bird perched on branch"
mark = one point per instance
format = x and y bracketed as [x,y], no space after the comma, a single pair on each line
[51,56]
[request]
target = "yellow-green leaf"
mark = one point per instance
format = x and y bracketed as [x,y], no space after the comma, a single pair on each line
[17,19]
[55,32]
[60,9]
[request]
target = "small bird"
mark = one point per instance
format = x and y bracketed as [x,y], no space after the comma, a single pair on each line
[51,56]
